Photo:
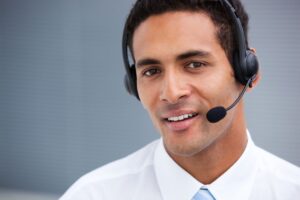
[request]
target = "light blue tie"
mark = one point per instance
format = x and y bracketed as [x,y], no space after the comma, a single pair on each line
[203,194]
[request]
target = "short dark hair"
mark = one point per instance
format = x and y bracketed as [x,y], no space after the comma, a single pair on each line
[142,9]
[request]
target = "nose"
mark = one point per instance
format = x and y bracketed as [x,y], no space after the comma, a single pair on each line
[174,88]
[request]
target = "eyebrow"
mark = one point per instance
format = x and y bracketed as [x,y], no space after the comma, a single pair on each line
[147,61]
[182,56]
[192,53]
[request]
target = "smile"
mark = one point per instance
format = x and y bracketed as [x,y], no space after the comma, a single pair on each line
[181,117]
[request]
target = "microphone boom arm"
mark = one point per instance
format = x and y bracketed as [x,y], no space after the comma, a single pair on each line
[249,84]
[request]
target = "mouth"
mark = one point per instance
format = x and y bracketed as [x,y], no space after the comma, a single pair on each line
[182,117]
[181,122]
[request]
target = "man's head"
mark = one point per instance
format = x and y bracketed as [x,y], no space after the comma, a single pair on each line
[182,52]
[143,9]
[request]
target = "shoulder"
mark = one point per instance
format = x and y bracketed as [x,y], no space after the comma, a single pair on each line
[278,166]
[277,174]
[123,171]
[131,164]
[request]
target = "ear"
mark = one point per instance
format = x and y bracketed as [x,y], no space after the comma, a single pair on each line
[253,50]
[257,77]
[256,80]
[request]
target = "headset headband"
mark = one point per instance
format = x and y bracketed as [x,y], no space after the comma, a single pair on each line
[245,63]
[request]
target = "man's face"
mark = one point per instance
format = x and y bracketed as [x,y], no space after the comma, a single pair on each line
[182,72]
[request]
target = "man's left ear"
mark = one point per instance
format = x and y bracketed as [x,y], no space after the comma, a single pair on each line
[258,75]
[253,50]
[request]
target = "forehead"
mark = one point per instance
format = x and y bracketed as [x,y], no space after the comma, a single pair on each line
[174,32]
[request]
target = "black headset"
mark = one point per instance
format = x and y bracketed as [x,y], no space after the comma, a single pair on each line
[245,63]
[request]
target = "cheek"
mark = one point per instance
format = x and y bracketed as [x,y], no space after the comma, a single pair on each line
[149,105]
[148,95]
[219,88]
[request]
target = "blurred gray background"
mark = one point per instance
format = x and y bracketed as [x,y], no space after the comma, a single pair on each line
[63,107]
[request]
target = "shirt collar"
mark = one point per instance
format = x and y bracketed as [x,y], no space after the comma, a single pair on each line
[235,184]
[174,182]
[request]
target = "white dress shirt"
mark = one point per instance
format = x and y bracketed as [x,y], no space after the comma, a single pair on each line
[151,174]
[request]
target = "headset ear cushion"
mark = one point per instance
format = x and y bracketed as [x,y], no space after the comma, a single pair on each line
[246,69]
[238,69]
[252,65]
[127,84]
[130,82]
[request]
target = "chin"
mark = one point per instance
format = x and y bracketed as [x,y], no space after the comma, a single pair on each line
[186,147]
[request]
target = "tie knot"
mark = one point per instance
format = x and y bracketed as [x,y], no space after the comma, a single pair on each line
[203,194]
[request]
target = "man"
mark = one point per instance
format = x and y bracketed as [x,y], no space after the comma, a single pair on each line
[191,59]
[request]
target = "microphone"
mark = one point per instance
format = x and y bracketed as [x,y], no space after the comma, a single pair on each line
[217,113]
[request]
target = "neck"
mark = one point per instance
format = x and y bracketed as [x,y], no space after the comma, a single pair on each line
[209,164]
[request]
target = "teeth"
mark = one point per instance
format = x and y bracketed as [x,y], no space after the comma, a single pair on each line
[180,118]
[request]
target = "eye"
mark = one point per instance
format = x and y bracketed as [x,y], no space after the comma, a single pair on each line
[151,72]
[194,65]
